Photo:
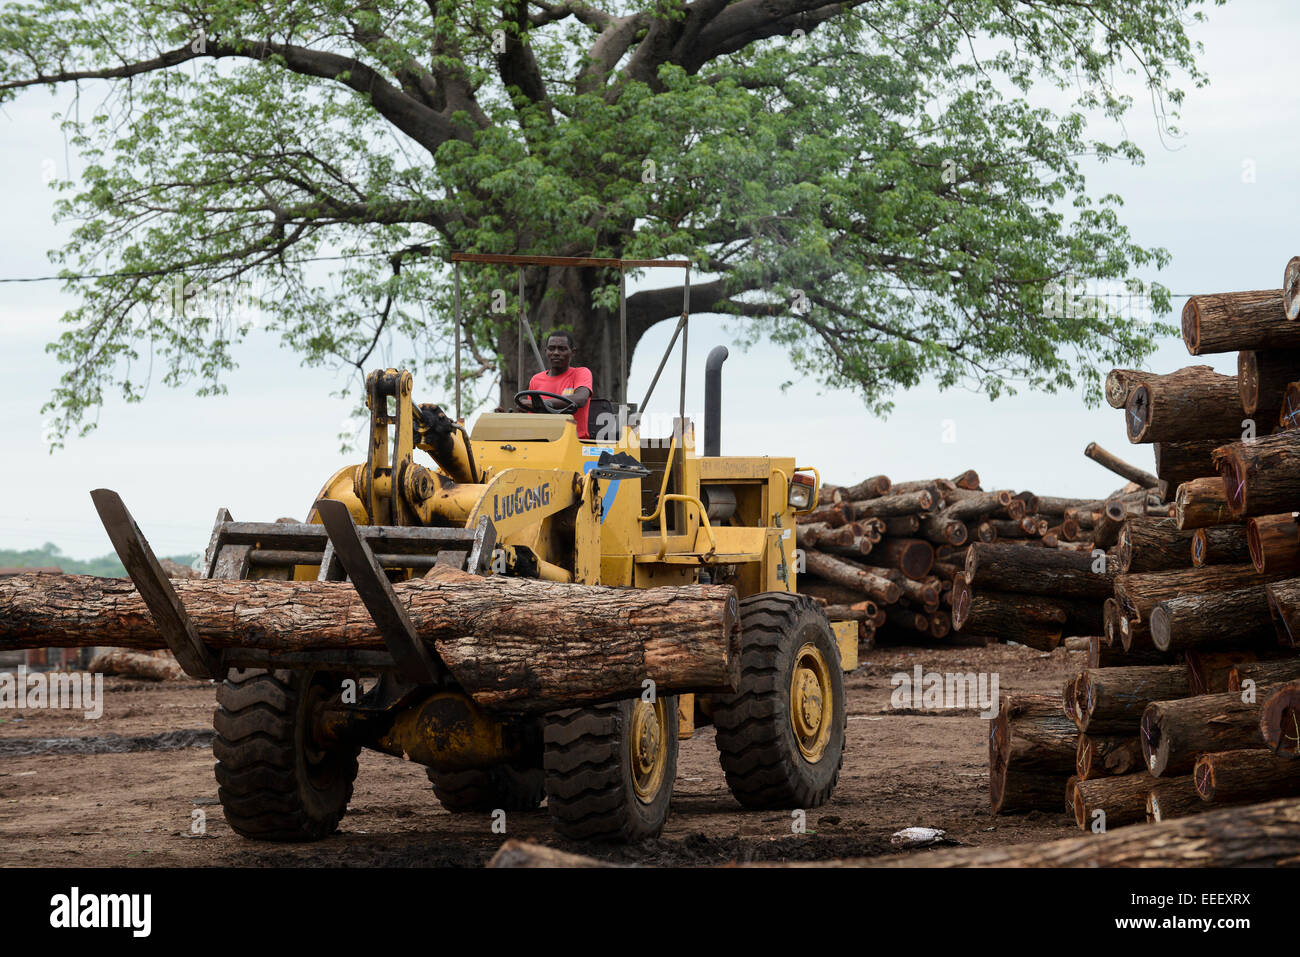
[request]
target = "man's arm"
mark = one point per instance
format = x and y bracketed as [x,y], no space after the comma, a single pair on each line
[580,395]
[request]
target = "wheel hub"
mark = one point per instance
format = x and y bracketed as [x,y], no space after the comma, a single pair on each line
[810,702]
[648,751]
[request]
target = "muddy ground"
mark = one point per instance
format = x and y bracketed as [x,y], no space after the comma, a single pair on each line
[136,807]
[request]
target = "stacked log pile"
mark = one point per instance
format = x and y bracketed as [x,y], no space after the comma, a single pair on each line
[943,559]
[1192,697]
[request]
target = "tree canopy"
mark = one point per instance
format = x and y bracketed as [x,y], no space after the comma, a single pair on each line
[876,184]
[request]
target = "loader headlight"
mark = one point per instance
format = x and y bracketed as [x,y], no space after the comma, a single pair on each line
[801,491]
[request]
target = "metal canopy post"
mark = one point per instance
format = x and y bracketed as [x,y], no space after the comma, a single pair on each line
[457,271]
[686,319]
[622,336]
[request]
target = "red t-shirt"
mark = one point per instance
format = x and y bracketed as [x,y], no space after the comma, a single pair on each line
[577,377]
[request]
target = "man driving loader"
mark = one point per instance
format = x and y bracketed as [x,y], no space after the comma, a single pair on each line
[562,379]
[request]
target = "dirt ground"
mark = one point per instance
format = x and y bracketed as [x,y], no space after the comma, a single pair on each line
[135,808]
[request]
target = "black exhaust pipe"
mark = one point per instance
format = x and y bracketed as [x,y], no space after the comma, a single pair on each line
[713,400]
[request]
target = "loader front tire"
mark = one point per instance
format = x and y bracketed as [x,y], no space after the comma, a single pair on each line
[780,737]
[502,787]
[275,781]
[610,769]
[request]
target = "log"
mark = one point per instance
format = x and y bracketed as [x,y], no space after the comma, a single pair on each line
[1220,545]
[1027,619]
[941,530]
[1121,468]
[1113,700]
[1261,476]
[1031,751]
[1172,798]
[1264,673]
[514,644]
[841,513]
[902,526]
[1120,384]
[1261,379]
[1098,755]
[1279,719]
[1101,655]
[514,853]
[827,592]
[975,506]
[1288,413]
[873,487]
[839,571]
[1105,533]
[135,664]
[1259,835]
[891,506]
[1284,605]
[818,534]
[858,547]
[1273,543]
[1239,616]
[1231,321]
[970,479]
[1192,403]
[1153,545]
[1200,503]
[912,556]
[858,611]
[1291,289]
[1138,595]
[1051,506]
[1210,672]
[1179,462]
[1175,732]
[1103,804]
[1246,776]
[1038,571]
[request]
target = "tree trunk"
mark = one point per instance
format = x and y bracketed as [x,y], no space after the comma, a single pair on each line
[512,643]
[1192,403]
[1260,835]
[820,534]
[970,479]
[1179,462]
[1120,800]
[1031,753]
[1261,476]
[1261,379]
[1279,718]
[135,664]
[890,506]
[1246,776]
[1120,467]
[1113,700]
[1153,544]
[1174,732]
[1239,616]
[1138,595]
[1273,543]
[912,556]
[1099,756]
[1028,619]
[1220,545]
[1038,571]
[1232,321]
[873,487]
[1171,798]
[841,572]
[1200,503]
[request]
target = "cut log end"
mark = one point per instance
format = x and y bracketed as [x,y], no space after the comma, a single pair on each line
[1291,288]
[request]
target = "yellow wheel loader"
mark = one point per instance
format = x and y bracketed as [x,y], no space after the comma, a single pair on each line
[521,494]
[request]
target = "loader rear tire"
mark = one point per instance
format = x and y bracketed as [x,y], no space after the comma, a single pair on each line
[275,782]
[610,769]
[502,787]
[780,737]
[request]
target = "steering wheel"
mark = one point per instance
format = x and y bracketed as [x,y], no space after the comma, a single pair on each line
[530,400]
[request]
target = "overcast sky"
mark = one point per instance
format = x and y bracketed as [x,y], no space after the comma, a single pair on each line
[264,450]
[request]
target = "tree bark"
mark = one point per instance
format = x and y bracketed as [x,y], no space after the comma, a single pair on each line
[1210,672]
[1138,595]
[1027,619]
[1279,718]
[821,534]
[1220,545]
[513,643]
[1101,655]
[1172,798]
[1260,835]
[1273,543]
[1238,616]
[1031,753]
[891,506]
[1154,544]
[841,572]
[1038,571]
[1232,321]
[1246,776]
[1122,799]
[1200,503]
[1179,462]
[1174,732]
[902,526]
[1113,700]
[1284,604]
[1192,403]
[975,506]
[869,488]
[1264,673]
[1099,756]
[1261,476]
[1261,379]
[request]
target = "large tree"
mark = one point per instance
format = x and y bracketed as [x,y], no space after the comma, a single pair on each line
[876,184]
